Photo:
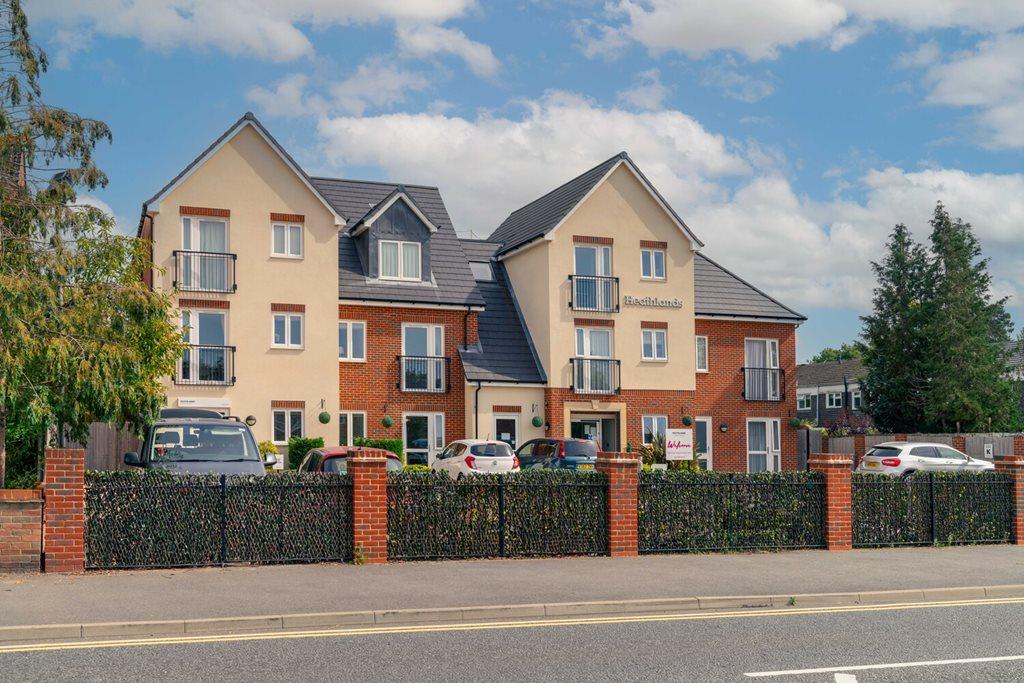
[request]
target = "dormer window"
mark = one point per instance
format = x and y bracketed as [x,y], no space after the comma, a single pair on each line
[400,260]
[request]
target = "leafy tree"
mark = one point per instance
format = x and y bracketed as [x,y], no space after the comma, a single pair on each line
[895,344]
[81,337]
[848,351]
[936,343]
[968,333]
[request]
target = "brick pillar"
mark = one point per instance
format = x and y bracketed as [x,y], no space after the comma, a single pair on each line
[1013,466]
[621,469]
[64,510]
[858,449]
[960,442]
[838,499]
[21,529]
[370,505]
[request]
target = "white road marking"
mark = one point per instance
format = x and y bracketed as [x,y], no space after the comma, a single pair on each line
[846,678]
[869,667]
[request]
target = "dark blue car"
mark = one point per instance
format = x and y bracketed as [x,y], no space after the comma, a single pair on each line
[569,454]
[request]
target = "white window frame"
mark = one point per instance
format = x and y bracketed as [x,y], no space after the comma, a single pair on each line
[856,400]
[772,349]
[834,399]
[348,333]
[643,426]
[599,261]
[190,332]
[435,369]
[433,423]
[653,331]
[288,240]
[288,414]
[696,348]
[402,276]
[193,245]
[288,343]
[802,399]
[350,435]
[651,251]
[709,457]
[773,439]
[587,353]
[507,416]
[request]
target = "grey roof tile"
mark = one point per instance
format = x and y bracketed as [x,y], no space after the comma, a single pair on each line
[831,373]
[719,292]
[452,283]
[479,250]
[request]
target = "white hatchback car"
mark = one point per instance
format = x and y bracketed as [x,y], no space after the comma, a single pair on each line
[900,458]
[473,456]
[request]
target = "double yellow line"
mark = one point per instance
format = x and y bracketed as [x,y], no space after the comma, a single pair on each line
[491,625]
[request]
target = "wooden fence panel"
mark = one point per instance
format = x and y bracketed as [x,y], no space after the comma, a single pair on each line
[106,446]
[840,444]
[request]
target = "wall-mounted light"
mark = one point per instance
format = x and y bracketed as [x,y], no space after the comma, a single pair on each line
[724,427]
[250,420]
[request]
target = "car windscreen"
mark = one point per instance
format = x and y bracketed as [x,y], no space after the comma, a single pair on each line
[884,451]
[202,442]
[491,450]
[581,449]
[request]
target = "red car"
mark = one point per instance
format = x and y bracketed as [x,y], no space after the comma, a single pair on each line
[335,459]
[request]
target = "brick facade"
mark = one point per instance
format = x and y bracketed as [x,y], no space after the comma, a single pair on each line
[838,499]
[21,527]
[369,506]
[373,386]
[64,512]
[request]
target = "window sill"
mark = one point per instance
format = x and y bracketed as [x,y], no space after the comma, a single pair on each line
[278,347]
[286,257]
[654,360]
[702,372]
[653,279]
[351,360]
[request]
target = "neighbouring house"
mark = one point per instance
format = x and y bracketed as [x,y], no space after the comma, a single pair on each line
[589,312]
[828,393]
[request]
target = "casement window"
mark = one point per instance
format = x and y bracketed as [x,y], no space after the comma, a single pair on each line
[287,423]
[594,370]
[593,285]
[207,358]
[764,445]
[652,264]
[286,240]
[593,342]
[287,330]
[204,269]
[653,344]
[351,340]
[654,425]
[423,359]
[834,399]
[702,353]
[803,401]
[351,426]
[399,260]
[855,400]
[762,380]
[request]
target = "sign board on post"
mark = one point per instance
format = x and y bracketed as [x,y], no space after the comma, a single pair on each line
[989,451]
[678,444]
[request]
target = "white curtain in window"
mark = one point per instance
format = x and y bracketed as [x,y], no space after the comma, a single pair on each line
[757,446]
[213,270]
[411,261]
[388,259]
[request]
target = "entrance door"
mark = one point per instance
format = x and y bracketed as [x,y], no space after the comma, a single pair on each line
[506,428]
[423,434]
[763,446]
[586,428]
[601,429]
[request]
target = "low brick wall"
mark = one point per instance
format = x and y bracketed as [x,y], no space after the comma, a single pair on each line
[21,529]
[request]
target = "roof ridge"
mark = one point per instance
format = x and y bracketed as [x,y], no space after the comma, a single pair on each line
[375,182]
[756,289]
[620,155]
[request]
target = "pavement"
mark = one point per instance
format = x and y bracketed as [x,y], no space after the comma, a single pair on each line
[208,593]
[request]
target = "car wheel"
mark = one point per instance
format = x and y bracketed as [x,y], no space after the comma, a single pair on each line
[906,475]
[461,476]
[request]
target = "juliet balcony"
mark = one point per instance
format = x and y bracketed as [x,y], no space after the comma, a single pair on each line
[204,271]
[594,293]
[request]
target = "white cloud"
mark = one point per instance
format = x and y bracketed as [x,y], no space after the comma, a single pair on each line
[376,83]
[287,98]
[69,43]
[733,83]
[649,93]
[809,253]
[266,29]
[923,55]
[425,40]
[991,79]
[758,30]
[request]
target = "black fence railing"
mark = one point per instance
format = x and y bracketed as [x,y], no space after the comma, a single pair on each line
[594,293]
[155,519]
[595,375]
[764,384]
[206,364]
[698,512]
[427,374]
[515,515]
[204,271]
[932,508]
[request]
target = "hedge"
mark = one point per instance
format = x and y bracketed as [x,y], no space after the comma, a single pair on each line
[393,445]
[298,446]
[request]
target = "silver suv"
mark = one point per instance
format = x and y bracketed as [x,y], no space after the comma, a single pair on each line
[900,458]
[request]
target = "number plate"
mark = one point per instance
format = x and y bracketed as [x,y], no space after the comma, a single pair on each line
[870,464]
[585,466]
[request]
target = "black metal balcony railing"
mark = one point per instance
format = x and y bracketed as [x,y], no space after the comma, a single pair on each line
[204,271]
[427,374]
[594,293]
[205,364]
[764,384]
[595,375]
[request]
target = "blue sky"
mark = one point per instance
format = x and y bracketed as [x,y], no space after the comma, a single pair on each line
[790,134]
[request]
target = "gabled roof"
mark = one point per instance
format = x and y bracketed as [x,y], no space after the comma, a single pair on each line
[543,215]
[452,283]
[399,194]
[248,119]
[831,373]
[506,352]
[720,293]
